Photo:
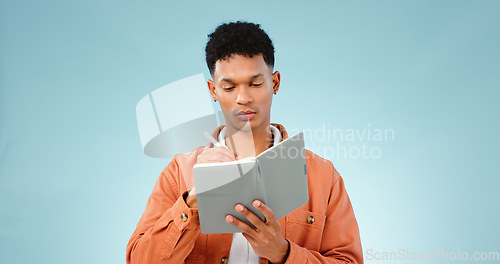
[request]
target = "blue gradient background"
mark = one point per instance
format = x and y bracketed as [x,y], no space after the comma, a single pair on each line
[74,181]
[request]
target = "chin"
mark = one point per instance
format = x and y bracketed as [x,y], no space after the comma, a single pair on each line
[242,125]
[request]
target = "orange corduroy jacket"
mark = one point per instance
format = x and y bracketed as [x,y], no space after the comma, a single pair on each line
[162,235]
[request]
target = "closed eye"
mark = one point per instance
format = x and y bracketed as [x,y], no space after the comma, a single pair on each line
[257,84]
[228,89]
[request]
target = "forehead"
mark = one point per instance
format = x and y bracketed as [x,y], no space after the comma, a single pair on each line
[240,67]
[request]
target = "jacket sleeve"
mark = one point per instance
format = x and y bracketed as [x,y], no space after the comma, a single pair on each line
[340,242]
[162,234]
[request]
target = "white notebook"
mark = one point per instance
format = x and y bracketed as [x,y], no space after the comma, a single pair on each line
[277,177]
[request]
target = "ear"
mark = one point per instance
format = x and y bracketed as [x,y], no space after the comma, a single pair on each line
[276,81]
[211,88]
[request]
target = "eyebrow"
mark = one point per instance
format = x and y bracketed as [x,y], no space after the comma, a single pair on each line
[251,78]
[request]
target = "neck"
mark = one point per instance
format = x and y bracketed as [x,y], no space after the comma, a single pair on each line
[248,142]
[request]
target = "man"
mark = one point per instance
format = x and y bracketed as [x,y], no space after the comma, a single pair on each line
[240,57]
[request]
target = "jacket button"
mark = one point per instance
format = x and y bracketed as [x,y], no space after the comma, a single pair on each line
[310,219]
[224,260]
[184,217]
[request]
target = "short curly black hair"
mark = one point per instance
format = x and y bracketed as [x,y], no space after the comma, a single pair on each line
[242,38]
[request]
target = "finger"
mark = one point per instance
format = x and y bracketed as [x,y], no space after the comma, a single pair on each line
[220,154]
[220,157]
[255,220]
[250,239]
[226,152]
[213,157]
[266,211]
[246,229]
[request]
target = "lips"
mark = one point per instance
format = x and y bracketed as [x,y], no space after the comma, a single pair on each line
[245,115]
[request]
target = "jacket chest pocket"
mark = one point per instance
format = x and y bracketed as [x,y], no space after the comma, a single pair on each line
[305,228]
[199,251]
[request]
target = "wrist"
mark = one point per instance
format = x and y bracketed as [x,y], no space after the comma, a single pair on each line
[284,252]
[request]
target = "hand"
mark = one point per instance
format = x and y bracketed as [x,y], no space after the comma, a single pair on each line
[267,240]
[215,154]
[209,155]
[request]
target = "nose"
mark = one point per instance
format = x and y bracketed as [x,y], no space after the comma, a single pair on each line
[243,96]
